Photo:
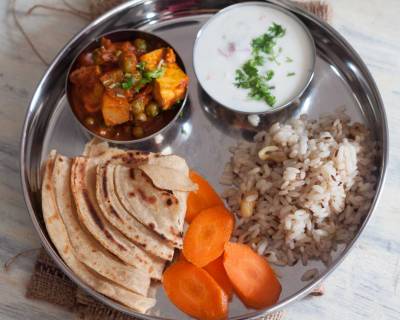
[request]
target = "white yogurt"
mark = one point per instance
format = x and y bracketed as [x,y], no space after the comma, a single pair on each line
[224,44]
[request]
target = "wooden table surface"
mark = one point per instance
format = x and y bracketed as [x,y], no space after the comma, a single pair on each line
[365,286]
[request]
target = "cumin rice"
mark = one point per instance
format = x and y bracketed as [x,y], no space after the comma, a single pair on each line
[301,188]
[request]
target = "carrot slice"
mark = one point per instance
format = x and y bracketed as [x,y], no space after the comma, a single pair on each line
[217,271]
[252,278]
[204,197]
[195,292]
[206,236]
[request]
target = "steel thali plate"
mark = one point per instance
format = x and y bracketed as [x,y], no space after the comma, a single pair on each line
[205,131]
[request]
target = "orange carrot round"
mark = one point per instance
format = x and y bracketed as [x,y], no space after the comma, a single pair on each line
[251,276]
[195,292]
[204,197]
[207,234]
[217,271]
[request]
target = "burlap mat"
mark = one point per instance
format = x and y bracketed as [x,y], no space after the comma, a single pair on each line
[318,8]
[50,284]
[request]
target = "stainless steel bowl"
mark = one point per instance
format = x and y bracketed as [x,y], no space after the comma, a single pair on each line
[126,35]
[205,132]
[296,98]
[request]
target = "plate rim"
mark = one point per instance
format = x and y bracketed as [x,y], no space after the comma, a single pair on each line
[33,110]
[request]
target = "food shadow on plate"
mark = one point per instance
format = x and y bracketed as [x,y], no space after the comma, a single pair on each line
[162,142]
[237,125]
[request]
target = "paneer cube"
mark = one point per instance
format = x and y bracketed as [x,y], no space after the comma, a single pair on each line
[171,86]
[115,110]
[170,56]
[152,59]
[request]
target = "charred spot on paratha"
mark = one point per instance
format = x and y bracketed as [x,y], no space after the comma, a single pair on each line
[92,210]
[150,199]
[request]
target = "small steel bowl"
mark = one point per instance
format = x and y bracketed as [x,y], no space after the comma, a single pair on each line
[272,110]
[126,35]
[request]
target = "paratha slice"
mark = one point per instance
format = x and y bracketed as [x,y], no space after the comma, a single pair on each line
[59,236]
[86,248]
[160,210]
[83,185]
[116,214]
[170,161]
[95,148]
[168,178]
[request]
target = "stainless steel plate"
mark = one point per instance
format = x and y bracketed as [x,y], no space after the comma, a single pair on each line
[206,130]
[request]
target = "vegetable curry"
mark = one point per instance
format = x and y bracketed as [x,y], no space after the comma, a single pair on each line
[126,90]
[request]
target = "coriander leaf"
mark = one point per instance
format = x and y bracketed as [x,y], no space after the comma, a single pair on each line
[267,41]
[149,76]
[270,74]
[276,30]
[288,59]
[248,75]
[127,84]
[155,73]
[140,66]
[290,74]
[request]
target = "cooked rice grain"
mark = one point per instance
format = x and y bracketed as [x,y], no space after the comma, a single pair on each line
[312,183]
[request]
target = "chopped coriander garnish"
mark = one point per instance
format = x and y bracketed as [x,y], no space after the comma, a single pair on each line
[127,84]
[140,66]
[154,74]
[148,76]
[267,41]
[270,74]
[288,59]
[290,74]
[249,76]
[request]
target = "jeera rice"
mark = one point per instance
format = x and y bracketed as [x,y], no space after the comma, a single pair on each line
[301,187]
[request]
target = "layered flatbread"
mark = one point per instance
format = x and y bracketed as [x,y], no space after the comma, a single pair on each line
[161,210]
[116,214]
[86,248]
[168,178]
[83,185]
[60,239]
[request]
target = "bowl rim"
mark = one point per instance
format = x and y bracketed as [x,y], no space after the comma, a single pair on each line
[130,141]
[285,11]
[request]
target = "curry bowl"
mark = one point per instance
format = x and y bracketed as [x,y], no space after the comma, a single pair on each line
[126,86]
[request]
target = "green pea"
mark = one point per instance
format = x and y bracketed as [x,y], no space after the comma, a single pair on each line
[136,77]
[138,106]
[141,117]
[152,109]
[140,45]
[137,132]
[128,62]
[89,121]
